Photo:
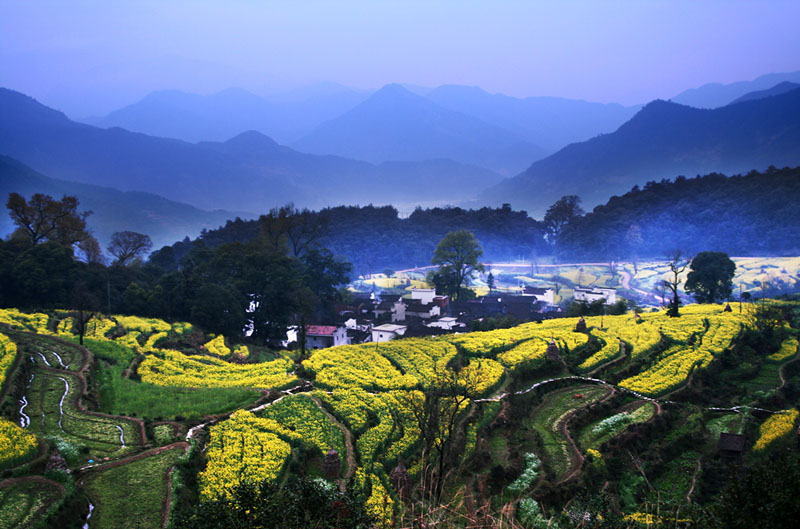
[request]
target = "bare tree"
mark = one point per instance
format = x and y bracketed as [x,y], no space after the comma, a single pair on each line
[126,246]
[677,265]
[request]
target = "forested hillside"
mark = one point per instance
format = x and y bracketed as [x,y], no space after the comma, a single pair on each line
[374,238]
[744,215]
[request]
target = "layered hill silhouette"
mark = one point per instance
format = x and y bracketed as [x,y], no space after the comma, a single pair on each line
[663,140]
[395,124]
[163,220]
[247,173]
[551,122]
[714,95]
[217,117]
[778,89]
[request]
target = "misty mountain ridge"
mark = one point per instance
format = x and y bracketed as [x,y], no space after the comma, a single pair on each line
[163,220]
[551,122]
[395,124]
[715,95]
[662,140]
[778,89]
[249,172]
[219,116]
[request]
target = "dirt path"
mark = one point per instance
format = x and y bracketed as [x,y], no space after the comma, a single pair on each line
[780,371]
[694,481]
[348,444]
[576,462]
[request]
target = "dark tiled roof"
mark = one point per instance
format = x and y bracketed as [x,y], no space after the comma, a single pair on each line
[731,442]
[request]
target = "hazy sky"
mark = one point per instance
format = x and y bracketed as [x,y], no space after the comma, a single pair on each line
[89,57]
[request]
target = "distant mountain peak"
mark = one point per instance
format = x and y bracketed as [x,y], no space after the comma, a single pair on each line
[253,139]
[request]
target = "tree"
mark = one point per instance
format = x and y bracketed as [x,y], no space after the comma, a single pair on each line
[558,216]
[677,265]
[490,282]
[457,256]
[710,277]
[436,411]
[299,504]
[46,219]
[85,305]
[126,246]
[288,228]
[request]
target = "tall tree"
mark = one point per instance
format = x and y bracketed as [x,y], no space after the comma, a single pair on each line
[126,246]
[710,277]
[295,230]
[677,265]
[558,216]
[45,219]
[457,256]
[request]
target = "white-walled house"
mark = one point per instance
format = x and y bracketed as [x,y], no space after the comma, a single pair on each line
[387,332]
[447,323]
[595,293]
[319,336]
[424,295]
[541,294]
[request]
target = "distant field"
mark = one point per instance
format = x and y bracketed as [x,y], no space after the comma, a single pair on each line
[753,274]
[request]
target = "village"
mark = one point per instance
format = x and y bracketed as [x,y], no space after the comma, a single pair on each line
[385,315]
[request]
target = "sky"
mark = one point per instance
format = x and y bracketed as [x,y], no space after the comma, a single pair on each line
[90,57]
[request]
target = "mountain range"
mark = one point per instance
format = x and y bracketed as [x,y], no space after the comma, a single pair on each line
[662,140]
[249,172]
[395,123]
[220,116]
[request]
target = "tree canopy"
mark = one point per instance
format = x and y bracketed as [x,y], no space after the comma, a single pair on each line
[45,219]
[457,256]
[710,277]
[558,216]
[126,246]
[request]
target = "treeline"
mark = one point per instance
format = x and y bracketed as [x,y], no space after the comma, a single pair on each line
[374,238]
[258,287]
[743,215]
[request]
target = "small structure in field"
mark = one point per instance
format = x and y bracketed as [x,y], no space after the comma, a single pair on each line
[332,464]
[581,326]
[553,354]
[731,445]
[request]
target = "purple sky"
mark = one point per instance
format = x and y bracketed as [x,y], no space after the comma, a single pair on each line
[89,57]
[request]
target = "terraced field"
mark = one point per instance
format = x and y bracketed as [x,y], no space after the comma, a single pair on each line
[368,402]
[133,492]
[52,405]
[550,420]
